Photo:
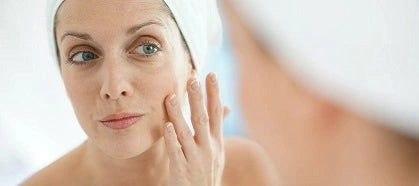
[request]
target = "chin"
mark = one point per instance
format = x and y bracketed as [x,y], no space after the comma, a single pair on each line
[127,146]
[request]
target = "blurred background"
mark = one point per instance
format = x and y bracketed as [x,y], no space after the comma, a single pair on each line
[37,124]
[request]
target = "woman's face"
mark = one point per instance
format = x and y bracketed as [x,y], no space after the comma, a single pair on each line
[120,56]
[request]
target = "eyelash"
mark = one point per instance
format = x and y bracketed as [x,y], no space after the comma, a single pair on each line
[73,54]
[148,42]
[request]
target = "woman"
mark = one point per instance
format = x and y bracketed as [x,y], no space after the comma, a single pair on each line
[126,67]
[341,78]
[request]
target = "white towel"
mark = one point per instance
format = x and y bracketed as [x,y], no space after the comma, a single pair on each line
[361,54]
[198,21]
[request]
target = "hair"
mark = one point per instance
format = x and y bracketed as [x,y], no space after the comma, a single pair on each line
[164,8]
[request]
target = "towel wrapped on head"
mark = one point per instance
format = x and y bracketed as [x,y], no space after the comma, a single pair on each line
[361,54]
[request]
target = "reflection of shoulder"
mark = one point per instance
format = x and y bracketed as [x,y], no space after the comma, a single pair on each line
[247,164]
[60,172]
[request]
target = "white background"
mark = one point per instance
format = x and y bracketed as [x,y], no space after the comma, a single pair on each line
[37,123]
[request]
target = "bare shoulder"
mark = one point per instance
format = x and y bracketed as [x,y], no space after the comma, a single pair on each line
[247,163]
[57,173]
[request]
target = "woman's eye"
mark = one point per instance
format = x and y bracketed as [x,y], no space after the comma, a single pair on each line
[147,49]
[83,56]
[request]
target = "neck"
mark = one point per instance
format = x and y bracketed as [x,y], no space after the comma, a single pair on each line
[149,168]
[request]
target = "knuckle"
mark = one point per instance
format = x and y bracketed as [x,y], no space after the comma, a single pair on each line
[217,143]
[198,95]
[201,119]
[215,90]
[218,110]
[202,138]
[185,134]
[175,150]
[218,159]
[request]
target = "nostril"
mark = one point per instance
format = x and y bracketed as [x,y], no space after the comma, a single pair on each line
[115,96]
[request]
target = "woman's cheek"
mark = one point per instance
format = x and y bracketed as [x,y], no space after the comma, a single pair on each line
[161,84]
[82,97]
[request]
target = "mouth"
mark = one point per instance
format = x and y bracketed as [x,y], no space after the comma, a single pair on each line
[121,120]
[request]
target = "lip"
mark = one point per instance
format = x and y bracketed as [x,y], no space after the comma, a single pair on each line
[121,120]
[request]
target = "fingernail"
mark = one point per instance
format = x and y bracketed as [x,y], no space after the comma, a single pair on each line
[169,127]
[195,85]
[172,100]
[213,77]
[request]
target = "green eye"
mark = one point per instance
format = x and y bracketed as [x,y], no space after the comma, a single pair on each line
[147,49]
[83,56]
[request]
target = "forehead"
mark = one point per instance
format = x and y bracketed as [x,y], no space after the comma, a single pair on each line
[114,13]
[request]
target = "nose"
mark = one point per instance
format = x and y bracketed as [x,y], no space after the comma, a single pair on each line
[116,83]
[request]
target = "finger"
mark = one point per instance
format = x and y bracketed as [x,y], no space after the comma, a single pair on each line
[182,130]
[174,150]
[226,111]
[199,115]
[215,107]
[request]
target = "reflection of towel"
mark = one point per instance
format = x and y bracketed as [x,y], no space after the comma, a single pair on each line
[198,21]
[362,54]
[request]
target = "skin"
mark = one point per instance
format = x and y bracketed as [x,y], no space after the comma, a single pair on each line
[314,141]
[119,76]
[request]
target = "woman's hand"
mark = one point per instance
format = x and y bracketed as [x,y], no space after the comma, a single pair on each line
[196,160]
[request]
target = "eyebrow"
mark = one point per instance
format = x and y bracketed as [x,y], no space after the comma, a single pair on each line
[130,31]
[135,28]
[77,35]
